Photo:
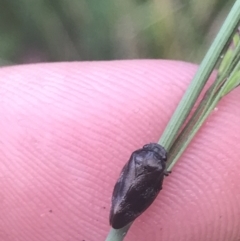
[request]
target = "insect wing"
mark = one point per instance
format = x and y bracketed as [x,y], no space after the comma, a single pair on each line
[127,177]
[139,197]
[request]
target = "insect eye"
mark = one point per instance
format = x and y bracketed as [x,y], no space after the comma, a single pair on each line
[161,157]
[138,159]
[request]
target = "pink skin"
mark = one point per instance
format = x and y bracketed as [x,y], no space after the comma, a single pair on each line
[68,128]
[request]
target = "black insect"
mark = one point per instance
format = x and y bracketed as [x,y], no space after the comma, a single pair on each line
[138,185]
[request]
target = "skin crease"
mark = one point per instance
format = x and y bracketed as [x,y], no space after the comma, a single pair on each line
[66,131]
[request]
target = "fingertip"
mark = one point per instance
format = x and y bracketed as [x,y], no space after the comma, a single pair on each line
[72,126]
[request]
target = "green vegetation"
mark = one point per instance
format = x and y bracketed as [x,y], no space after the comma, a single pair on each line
[41,30]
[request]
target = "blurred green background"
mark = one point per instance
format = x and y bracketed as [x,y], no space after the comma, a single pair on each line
[66,30]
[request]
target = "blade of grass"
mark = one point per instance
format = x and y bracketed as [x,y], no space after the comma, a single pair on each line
[205,69]
[197,121]
[228,79]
